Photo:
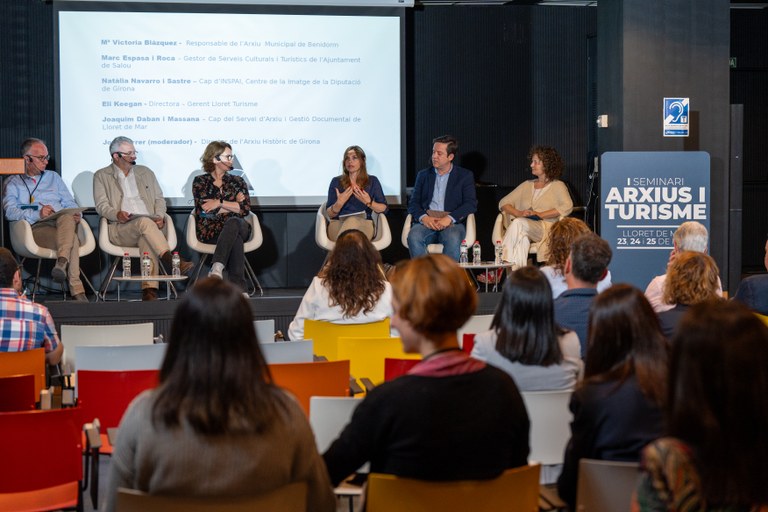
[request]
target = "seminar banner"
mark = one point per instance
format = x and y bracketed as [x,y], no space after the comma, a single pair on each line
[645,197]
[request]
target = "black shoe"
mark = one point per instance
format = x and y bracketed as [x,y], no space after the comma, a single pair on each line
[59,272]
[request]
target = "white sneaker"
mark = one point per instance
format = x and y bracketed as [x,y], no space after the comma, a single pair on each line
[215,273]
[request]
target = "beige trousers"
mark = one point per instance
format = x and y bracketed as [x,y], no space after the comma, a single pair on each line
[60,235]
[144,233]
[358,222]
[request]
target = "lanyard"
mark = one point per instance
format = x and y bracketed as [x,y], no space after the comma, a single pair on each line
[32,192]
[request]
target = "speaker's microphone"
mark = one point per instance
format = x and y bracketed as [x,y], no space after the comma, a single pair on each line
[132,162]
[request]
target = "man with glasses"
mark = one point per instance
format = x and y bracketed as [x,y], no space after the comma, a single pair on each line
[35,196]
[129,197]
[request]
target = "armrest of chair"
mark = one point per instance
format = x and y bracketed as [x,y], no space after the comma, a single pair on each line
[354,387]
[367,384]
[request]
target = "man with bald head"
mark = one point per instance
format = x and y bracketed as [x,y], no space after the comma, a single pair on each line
[35,196]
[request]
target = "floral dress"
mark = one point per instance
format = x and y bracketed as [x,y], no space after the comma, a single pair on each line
[209,224]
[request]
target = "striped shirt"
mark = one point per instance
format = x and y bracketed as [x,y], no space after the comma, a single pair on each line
[25,325]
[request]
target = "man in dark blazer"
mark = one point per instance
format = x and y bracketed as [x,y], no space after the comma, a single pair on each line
[753,291]
[442,198]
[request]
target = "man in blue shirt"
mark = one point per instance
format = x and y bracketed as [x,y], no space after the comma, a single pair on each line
[442,198]
[585,267]
[38,194]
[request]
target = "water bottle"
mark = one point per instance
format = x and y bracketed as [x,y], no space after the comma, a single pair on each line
[175,265]
[146,265]
[126,265]
[463,252]
[476,259]
[498,251]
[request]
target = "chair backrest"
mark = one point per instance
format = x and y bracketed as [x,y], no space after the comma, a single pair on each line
[305,380]
[113,250]
[24,243]
[475,324]
[606,485]
[366,355]
[394,368]
[120,357]
[287,351]
[25,362]
[106,394]
[254,241]
[94,335]
[17,392]
[289,498]
[516,490]
[321,229]
[328,415]
[550,424]
[468,342]
[470,235]
[41,449]
[265,330]
[326,334]
[257,237]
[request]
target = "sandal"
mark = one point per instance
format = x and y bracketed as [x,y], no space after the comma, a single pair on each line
[491,276]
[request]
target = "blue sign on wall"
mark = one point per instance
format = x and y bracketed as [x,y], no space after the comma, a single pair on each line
[645,196]
[676,117]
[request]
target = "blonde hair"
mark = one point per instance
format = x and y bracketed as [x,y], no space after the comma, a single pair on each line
[692,277]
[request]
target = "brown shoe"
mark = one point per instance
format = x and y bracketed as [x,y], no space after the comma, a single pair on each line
[149,294]
[186,267]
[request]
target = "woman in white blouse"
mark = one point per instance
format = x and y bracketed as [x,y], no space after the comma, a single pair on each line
[524,340]
[350,288]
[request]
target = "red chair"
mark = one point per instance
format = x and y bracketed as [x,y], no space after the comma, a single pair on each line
[41,460]
[17,393]
[468,343]
[305,380]
[394,368]
[106,394]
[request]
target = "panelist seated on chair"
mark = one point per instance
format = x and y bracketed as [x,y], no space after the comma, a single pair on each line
[534,206]
[442,198]
[353,196]
[34,197]
[129,197]
[221,206]
[350,288]
[24,325]
[450,417]
[216,426]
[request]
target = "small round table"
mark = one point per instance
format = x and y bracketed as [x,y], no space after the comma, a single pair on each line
[485,266]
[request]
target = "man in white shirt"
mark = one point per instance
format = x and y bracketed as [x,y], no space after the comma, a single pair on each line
[689,236]
[129,197]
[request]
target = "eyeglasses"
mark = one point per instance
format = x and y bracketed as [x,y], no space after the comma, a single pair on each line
[228,158]
[42,158]
[128,153]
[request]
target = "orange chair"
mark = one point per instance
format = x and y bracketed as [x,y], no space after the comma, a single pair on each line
[394,368]
[27,361]
[42,460]
[106,394]
[305,380]
[17,393]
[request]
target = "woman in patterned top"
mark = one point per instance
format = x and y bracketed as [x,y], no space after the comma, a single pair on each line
[714,458]
[221,205]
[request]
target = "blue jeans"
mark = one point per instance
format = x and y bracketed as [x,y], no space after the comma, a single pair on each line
[421,236]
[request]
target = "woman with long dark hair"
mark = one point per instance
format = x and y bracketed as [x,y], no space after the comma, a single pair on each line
[714,455]
[617,409]
[350,288]
[216,426]
[524,340]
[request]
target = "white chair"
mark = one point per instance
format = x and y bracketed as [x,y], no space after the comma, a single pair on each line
[550,420]
[120,357]
[265,330]
[288,351]
[94,335]
[24,245]
[499,230]
[475,324]
[328,415]
[382,236]
[253,243]
[113,250]
[606,485]
[470,236]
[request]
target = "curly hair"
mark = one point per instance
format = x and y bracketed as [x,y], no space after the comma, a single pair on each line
[692,277]
[214,149]
[560,237]
[353,274]
[553,162]
[362,176]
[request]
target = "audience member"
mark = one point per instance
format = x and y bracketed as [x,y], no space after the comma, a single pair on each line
[689,236]
[559,238]
[221,205]
[692,277]
[354,196]
[442,198]
[24,325]
[533,206]
[617,407]
[216,426]
[350,288]
[36,196]
[451,417]
[586,265]
[714,453]
[524,340]
[753,291]
[129,197]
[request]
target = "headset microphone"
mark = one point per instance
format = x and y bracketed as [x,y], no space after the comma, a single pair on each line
[218,159]
[29,159]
